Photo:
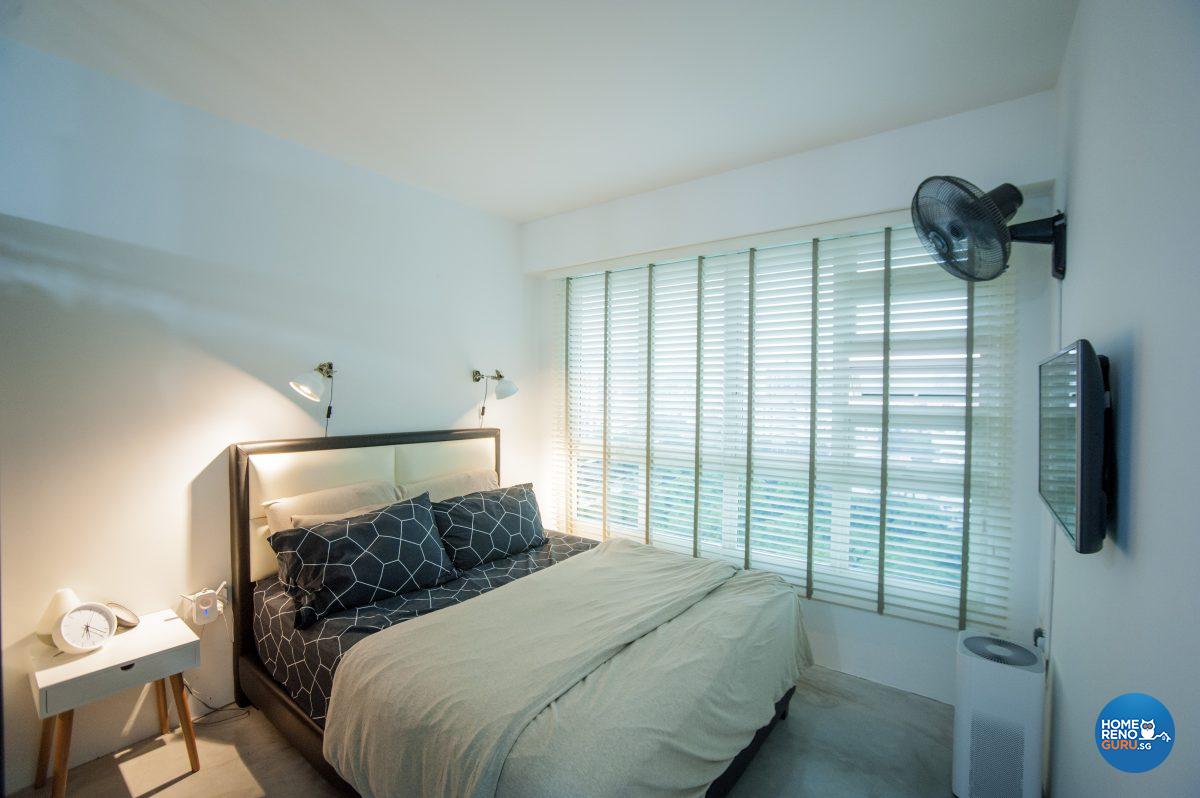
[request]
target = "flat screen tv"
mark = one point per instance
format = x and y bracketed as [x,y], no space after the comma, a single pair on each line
[1075,472]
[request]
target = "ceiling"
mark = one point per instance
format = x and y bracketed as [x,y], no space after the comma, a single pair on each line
[528,108]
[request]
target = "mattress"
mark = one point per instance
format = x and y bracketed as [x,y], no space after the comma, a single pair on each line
[303,660]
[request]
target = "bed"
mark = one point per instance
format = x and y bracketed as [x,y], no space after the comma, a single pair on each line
[632,670]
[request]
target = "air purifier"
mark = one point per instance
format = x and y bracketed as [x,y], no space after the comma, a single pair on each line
[999,696]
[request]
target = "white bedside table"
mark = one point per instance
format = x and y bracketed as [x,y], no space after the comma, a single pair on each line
[159,648]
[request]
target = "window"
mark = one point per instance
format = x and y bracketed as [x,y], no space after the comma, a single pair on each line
[802,409]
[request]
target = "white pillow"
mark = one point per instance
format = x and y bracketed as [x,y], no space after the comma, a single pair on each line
[341,499]
[324,518]
[451,485]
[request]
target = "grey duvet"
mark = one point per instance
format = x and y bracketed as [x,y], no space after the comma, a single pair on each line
[626,670]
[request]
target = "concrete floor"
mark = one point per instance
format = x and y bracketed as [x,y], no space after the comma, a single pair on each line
[843,737]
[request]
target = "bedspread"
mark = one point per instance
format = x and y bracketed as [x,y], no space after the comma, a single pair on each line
[529,689]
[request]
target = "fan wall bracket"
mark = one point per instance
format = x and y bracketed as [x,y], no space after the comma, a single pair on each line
[1053,231]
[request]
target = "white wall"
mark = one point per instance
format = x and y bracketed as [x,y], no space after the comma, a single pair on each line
[1125,619]
[162,274]
[1013,141]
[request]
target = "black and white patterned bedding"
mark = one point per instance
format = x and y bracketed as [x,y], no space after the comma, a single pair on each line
[303,660]
[354,562]
[488,525]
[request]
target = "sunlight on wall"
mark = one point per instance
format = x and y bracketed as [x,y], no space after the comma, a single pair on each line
[138,370]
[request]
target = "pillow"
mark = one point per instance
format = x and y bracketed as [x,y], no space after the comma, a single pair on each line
[451,485]
[324,518]
[485,526]
[341,499]
[357,561]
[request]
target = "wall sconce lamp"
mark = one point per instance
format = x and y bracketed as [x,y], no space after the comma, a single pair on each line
[311,385]
[504,388]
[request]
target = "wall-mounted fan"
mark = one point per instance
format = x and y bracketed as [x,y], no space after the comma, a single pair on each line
[966,230]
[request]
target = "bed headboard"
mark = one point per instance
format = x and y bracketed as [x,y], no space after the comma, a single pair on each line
[272,469]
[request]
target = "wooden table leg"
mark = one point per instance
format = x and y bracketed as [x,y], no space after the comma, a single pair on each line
[62,752]
[43,760]
[160,694]
[185,720]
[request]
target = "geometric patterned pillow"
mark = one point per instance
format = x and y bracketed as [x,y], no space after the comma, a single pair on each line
[485,526]
[353,562]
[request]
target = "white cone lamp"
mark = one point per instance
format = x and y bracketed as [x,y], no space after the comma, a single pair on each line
[63,601]
[504,388]
[311,385]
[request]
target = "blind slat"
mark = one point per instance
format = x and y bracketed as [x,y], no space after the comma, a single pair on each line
[809,417]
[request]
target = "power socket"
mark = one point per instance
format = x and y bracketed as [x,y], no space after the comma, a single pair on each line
[207,604]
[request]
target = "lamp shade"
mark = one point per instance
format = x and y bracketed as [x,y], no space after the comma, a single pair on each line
[63,601]
[505,388]
[310,385]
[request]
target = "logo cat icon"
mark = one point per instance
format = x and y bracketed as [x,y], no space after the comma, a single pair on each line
[1148,732]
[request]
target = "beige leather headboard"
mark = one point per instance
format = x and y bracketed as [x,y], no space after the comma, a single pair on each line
[281,474]
[274,476]
[276,469]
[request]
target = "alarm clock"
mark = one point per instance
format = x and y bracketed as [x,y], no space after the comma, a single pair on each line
[84,628]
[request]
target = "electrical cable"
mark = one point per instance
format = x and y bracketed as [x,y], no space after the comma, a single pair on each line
[329,407]
[1060,312]
[201,721]
[1053,528]
[483,407]
[232,706]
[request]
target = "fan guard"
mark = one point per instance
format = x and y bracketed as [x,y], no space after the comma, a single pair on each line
[966,229]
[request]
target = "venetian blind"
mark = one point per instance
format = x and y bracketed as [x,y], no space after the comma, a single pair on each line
[837,410]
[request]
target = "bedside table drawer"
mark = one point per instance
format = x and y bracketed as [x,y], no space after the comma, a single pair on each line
[89,687]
